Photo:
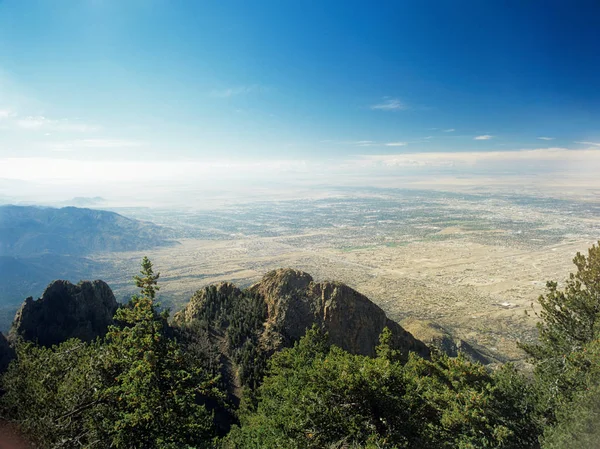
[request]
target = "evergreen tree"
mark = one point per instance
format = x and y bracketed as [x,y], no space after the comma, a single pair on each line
[154,390]
[147,281]
[570,321]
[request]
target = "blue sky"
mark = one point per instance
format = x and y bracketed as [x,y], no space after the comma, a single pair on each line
[124,80]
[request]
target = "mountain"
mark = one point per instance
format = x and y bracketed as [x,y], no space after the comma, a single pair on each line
[243,328]
[29,230]
[66,311]
[295,302]
[40,244]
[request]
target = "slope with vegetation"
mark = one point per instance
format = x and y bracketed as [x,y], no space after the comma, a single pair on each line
[232,371]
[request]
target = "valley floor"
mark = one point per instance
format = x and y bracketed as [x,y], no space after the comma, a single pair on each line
[479,292]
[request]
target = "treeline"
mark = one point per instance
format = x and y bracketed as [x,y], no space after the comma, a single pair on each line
[148,384]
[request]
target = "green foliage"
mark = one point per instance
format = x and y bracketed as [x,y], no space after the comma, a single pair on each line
[316,396]
[578,420]
[239,320]
[134,389]
[153,390]
[147,281]
[51,392]
[570,324]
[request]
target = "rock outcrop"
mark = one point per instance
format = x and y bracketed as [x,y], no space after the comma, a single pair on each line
[436,336]
[194,306]
[66,311]
[295,302]
[6,353]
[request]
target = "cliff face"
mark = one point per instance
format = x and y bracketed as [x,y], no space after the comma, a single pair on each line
[295,302]
[66,311]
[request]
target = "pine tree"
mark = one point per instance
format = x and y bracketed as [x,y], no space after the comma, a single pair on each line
[147,280]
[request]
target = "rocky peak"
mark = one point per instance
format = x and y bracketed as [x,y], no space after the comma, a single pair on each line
[295,302]
[66,311]
[197,301]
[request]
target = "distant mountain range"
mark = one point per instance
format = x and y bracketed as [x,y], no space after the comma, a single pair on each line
[39,244]
[26,231]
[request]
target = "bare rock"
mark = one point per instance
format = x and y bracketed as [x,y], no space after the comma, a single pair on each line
[66,311]
[295,302]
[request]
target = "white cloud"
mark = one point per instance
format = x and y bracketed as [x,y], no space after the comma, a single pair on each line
[450,130]
[360,143]
[546,138]
[66,170]
[390,104]
[484,137]
[560,157]
[594,144]
[395,144]
[235,91]
[6,113]
[39,122]
[94,143]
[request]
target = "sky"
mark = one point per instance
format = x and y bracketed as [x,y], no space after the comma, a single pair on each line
[126,90]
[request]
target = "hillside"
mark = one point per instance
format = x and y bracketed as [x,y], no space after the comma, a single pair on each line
[26,231]
[245,327]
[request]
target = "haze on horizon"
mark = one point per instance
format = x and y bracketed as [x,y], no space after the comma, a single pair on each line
[157,100]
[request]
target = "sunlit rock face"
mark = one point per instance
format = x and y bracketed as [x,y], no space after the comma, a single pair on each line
[295,303]
[64,311]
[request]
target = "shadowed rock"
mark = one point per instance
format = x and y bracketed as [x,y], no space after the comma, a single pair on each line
[436,336]
[66,311]
[6,353]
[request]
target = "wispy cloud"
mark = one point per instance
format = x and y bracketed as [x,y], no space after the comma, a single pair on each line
[546,138]
[236,91]
[6,113]
[94,143]
[449,130]
[390,104]
[42,123]
[484,137]
[360,143]
[594,144]
[558,158]
[396,144]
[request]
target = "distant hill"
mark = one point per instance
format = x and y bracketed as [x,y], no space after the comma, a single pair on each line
[26,231]
[85,201]
[40,244]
